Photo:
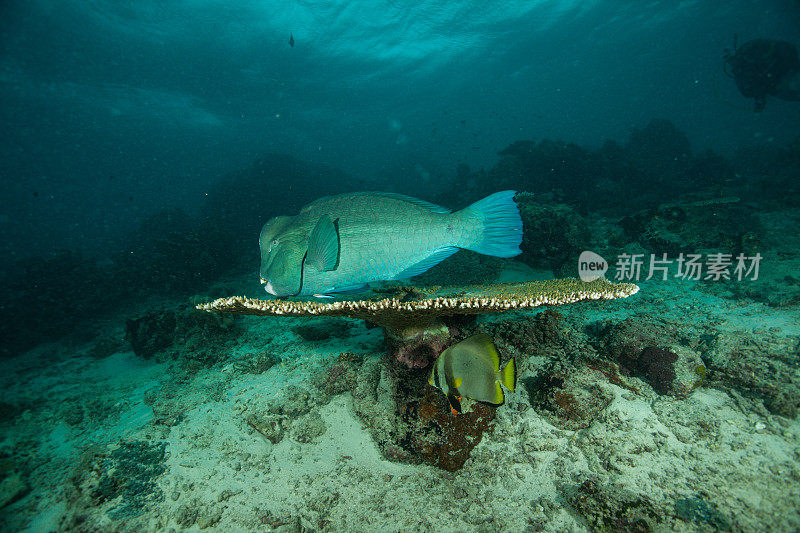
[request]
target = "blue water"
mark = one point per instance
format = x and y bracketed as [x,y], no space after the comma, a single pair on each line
[113,110]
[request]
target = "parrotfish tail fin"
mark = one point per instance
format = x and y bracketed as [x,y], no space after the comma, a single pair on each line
[509,375]
[502,225]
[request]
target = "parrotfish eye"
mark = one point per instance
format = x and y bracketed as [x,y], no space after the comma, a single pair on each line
[274,244]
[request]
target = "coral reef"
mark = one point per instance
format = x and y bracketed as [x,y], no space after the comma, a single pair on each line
[566,397]
[309,428]
[554,366]
[760,366]
[660,148]
[554,235]
[418,347]
[341,376]
[122,482]
[256,363]
[612,507]
[721,223]
[411,421]
[437,436]
[657,351]
[195,337]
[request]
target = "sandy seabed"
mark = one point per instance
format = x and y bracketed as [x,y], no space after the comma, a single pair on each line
[119,443]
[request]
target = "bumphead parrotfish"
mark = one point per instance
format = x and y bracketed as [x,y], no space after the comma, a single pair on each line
[341,243]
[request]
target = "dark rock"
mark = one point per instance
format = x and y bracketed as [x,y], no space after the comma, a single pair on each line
[569,399]
[655,350]
[660,147]
[195,336]
[696,509]
[610,507]
[256,363]
[657,365]
[439,437]
[151,333]
[721,224]
[760,366]
[341,376]
[130,473]
[324,330]
[625,340]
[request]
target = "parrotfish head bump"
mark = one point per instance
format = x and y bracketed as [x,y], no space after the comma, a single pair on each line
[281,259]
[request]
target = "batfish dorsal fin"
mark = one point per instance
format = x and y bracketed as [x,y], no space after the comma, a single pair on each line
[323,245]
[482,346]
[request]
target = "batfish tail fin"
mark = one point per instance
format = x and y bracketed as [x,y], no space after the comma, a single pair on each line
[501,231]
[509,375]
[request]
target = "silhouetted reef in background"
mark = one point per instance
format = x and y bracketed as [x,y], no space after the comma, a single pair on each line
[609,199]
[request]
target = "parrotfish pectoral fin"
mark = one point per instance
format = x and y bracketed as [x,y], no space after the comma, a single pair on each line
[429,262]
[350,288]
[502,225]
[323,245]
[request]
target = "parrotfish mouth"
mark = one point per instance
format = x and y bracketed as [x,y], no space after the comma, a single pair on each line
[269,288]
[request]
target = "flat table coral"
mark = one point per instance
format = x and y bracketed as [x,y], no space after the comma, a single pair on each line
[419,304]
[413,315]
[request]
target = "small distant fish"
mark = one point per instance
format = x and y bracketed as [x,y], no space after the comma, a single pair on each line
[341,243]
[291,40]
[471,369]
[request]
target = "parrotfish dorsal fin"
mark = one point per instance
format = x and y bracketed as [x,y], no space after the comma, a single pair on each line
[416,201]
[323,245]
